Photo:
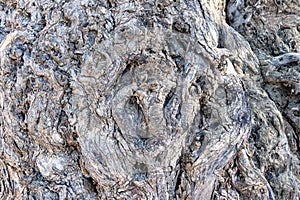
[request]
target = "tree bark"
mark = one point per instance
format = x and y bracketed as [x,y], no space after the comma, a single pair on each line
[149,99]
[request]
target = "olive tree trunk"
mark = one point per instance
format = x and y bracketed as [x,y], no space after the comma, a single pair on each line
[161,99]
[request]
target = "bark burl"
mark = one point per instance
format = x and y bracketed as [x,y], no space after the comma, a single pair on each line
[156,99]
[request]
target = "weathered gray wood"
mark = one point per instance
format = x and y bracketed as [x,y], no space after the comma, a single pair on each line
[149,99]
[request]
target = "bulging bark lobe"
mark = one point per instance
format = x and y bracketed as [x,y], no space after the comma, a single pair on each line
[149,100]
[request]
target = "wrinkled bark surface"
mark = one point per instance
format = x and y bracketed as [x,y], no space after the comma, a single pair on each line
[149,99]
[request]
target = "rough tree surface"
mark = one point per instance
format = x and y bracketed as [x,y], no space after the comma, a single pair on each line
[155,99]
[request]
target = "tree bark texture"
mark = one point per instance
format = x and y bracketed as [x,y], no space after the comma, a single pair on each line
[155,99]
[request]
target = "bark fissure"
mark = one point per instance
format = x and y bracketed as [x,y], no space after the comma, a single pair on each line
[149,100]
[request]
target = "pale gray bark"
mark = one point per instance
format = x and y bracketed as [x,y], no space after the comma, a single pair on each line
[149,99]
